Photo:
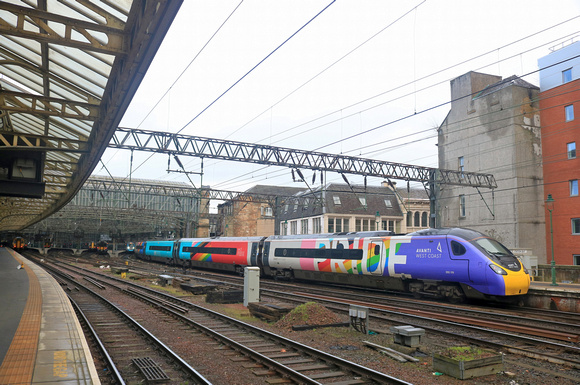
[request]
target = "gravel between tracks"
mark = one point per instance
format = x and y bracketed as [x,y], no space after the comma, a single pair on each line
[220,368]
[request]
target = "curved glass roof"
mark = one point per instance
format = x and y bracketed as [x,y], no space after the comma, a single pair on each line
[68,70]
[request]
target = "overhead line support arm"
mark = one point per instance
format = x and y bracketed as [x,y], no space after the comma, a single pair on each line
[164,142]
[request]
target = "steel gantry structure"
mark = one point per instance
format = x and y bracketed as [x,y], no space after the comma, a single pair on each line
[68,71]
[131,210]
[170,143]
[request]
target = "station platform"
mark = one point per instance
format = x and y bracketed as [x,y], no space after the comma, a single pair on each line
[563,297]
[41,340]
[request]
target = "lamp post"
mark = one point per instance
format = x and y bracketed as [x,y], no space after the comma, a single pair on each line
[378,220]
[550,206]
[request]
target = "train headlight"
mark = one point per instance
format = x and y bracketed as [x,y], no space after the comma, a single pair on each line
[498,270]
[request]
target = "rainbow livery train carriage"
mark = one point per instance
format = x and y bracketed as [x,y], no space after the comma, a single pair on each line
[450,263]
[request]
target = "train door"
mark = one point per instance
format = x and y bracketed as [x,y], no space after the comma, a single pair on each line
[463,268]
[375,257]
[175,253]
[254,256]
[257,253]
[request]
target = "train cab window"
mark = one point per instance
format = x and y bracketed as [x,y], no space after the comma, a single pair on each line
[457,248]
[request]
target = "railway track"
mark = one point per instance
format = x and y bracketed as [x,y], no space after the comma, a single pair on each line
[132,353]
[558,342]
[273,355]
[562,353]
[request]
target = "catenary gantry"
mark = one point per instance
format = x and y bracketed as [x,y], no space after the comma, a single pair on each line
[68,70]
[171,143]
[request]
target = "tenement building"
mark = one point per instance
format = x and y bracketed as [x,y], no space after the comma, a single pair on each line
[494,127]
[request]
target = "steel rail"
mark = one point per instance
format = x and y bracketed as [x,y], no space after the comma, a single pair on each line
[184,365]
[368,373]
[110,363]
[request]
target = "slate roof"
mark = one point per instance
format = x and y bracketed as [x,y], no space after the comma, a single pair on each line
[348,202]
[413,193]
[507,82]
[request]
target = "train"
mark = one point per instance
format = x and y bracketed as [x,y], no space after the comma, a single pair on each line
[130,248]
[18,243]
[102,247]
[455,264]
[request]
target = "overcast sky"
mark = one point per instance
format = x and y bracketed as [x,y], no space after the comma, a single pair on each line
[358,65]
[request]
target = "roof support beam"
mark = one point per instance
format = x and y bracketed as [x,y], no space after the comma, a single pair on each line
[46,106]
[76,33]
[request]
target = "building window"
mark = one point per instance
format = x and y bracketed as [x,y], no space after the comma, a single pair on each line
[574,188]
[284,226]
[363,201]
[336,199]
[388,226]
[266,211]
[576,226]
[417,216]
[304,226]
[388,203]
[567,75]
[571,149]
[424,220]
[316,226]
[338,225]
[294,227]
[409,219]
[576,260]
[569,112]
[461,164]
[462,206]
[364,224]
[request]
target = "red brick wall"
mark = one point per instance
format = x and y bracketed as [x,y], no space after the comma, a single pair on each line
[559,170]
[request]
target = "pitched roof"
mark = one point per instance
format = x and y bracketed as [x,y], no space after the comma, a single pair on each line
[507,82]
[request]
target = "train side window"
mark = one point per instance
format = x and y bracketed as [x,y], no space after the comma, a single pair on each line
[457,248]
[377,249]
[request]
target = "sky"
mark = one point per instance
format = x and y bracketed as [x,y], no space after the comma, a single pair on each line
[365,78]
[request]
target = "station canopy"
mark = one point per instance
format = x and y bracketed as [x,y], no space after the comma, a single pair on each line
[68,71]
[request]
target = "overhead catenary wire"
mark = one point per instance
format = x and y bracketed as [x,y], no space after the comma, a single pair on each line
[431,108]
[448,102]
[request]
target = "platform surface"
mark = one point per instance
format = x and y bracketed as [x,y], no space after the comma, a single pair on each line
[41,340]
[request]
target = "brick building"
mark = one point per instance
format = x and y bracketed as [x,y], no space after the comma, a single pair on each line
[560,109]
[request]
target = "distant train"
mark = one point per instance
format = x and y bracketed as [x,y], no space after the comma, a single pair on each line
[450,263]
[102,247]
[18,243]
[130,248]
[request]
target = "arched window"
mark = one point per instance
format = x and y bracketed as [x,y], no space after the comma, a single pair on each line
[424,219]
[417,217]
[409,219]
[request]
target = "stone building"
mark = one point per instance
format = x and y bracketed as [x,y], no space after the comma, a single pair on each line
[494,127]
[336,208]
[415,206]
[560,106]
[247,218]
